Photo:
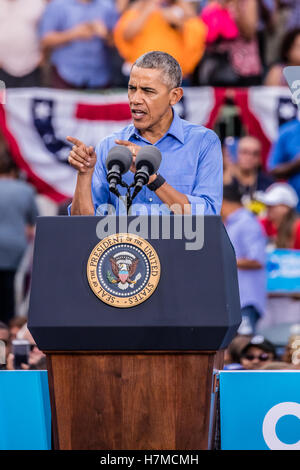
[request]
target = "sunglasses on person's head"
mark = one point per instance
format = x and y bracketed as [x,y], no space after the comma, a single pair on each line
[260,357]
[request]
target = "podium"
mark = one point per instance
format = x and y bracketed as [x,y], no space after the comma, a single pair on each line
[133,328]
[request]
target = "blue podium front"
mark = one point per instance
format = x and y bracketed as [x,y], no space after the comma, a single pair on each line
[25,415]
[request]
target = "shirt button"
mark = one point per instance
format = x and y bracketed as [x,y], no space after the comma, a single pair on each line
[150,199]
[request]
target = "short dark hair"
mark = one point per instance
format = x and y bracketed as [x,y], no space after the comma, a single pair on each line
[7,165]
[164,62]
[287,43]
[232,191]
[3,326]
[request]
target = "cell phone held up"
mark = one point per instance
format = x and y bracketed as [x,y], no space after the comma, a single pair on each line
[20,350]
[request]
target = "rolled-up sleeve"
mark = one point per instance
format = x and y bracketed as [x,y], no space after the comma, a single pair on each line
[206,196]
[100,188]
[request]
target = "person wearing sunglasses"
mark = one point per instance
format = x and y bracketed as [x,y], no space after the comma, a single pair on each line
[257,353]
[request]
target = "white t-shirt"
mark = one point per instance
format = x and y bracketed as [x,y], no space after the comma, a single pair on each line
[19,43]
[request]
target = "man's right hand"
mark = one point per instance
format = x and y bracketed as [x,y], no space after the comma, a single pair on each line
[82,157]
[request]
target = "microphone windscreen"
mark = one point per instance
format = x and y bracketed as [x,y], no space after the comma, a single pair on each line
[119,155]
[149,155]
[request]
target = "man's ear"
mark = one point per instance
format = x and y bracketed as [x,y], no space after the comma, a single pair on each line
[175,95]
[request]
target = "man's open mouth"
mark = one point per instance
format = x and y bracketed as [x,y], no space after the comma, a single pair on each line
[137,113]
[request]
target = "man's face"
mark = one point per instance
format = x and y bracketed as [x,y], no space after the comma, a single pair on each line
[249,154]
[150,98]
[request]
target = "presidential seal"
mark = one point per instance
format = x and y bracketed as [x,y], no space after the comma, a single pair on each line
[123,270]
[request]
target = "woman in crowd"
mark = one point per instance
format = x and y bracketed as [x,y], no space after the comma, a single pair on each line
[258,352]
[282,222]
[232,54]
[290,56]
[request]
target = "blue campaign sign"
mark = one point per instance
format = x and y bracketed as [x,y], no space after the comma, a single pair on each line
[25,416]
[283,270]
[260,410]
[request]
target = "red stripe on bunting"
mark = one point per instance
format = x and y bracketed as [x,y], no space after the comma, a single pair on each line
[251,122]
[41,186]
[103,112]
[219,96]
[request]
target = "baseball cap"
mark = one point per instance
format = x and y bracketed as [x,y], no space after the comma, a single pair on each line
[260,342]
[279,193]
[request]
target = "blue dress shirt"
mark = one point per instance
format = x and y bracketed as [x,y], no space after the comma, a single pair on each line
[82,63]
[286,149]
[249,242]
[191,162]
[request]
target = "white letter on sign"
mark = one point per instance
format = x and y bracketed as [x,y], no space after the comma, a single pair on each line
[270,421]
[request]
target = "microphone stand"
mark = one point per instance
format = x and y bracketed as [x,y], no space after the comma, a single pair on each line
[129,197]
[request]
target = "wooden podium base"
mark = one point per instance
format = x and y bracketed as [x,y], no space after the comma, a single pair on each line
[132,400]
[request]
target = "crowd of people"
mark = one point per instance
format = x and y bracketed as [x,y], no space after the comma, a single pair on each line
[91,44]
[85,44]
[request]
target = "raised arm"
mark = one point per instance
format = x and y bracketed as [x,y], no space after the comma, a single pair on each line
[82,159]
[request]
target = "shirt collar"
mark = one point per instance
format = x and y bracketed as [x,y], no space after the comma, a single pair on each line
[175,129]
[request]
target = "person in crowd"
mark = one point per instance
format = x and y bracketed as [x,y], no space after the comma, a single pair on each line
[77,35]
[4,332]
[247,171]
[36,357]
[18,213]
[284,158]
[232,354]
[20,53]
[292,349]
[282,222]
[293,7]
[4,344]
[232,55]
[249,242]
[289,56]
[258,352]
[277,365]
[15,326]
[168,26]
[266,26]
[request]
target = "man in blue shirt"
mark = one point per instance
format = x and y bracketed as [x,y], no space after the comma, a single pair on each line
[191,167]
[76,33]
[249,242]
[284,159]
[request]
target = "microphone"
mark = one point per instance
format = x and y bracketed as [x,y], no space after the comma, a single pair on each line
[118,162]
[147,163]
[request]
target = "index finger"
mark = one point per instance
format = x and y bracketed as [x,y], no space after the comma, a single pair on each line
[124,142]
[75,141]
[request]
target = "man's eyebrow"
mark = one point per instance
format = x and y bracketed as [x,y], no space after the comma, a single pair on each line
[145,88]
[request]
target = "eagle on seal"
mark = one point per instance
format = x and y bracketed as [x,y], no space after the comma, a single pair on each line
[123,272]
